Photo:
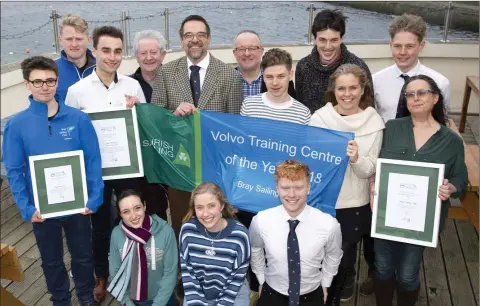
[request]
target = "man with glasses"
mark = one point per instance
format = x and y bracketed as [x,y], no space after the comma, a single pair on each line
[407,33]
[248,51]
[47,127]
[197,80]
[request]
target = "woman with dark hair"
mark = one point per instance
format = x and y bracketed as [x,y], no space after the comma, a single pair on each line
[349,109]
[214,251]
[423,137]
[143,255]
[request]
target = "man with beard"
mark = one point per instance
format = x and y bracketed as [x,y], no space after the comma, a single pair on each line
[197,80]
[329,53]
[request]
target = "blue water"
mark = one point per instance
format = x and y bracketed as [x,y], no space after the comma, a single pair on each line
[277,22]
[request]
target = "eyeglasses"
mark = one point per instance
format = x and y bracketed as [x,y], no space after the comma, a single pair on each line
[419,93]
[250,49]
[39,83]
[200,36]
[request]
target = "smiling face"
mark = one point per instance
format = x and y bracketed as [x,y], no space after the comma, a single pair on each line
[132,211]
[44,93]
[348,93]
[420,100]
[109,54]
[73,42]
[328,45]
[248,60]
[405,49]
[149,55]
[276,80]
[293,194]
[208,211]
[195,40]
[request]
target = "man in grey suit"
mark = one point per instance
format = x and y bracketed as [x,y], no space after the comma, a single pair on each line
[197,80]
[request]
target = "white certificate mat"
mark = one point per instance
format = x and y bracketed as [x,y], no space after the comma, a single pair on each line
[113,142]
[406,201]
[59,183]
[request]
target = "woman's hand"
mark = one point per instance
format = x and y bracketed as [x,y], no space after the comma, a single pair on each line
[352,151]
[445,190]
[371,182]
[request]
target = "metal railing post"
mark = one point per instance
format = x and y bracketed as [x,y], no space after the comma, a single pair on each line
[123,18]
[55,31]
[448,19]
[167,29]
[310,10]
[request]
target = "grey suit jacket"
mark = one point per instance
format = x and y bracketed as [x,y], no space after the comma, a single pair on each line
[221,90]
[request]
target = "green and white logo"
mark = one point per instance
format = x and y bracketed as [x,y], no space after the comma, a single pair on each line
[183,158]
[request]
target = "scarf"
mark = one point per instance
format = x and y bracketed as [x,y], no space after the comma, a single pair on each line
[134,269]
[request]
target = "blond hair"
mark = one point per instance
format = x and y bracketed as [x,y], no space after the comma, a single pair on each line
[213,189]
[408,23]
[75,21]
[292,170]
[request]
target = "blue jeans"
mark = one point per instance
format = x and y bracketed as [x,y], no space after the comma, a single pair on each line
[79,241]
[242,299]
[400,260]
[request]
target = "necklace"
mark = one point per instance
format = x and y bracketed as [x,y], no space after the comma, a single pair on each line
[211,251]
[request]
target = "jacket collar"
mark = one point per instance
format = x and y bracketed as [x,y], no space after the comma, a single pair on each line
[91,60]
[317,64]
[41,108]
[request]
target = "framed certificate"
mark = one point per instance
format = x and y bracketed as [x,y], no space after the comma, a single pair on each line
[406,206]
[117,132]
[59,183]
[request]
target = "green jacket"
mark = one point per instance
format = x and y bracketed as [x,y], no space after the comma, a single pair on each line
[162,281]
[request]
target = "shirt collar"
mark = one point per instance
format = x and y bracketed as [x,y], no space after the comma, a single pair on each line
[260,74]
[414,71]
[301,217]
[203,63]
[96,78]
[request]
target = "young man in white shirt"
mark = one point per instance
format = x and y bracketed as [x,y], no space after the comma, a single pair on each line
[103,89]
[302,245]
[407,34]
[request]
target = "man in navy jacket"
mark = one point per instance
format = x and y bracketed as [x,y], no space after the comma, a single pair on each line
[47,127]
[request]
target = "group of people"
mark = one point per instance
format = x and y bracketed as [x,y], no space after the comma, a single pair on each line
[291,254]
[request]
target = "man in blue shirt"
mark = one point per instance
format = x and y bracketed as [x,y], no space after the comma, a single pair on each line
[39,130]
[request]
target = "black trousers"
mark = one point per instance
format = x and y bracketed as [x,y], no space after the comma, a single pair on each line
[270,297]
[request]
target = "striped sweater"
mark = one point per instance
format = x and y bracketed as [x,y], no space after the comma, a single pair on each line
[260,107]
[213,278]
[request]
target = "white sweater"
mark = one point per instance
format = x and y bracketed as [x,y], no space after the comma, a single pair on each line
[368,128]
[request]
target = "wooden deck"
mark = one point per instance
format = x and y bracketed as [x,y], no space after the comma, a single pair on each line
[449,274]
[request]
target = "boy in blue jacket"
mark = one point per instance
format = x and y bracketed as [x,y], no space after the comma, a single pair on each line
[47,127]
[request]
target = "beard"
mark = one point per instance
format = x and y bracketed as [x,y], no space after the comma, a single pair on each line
[195,54]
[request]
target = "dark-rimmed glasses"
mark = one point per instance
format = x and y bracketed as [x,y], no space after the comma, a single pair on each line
[39,83]
[419,93]
[242,50]
[200,36]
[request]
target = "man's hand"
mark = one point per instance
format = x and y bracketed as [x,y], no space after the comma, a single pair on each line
[445,190]
[352,151]
[325,294]
[131,101]
[184,109]
[87,211]
[37,218]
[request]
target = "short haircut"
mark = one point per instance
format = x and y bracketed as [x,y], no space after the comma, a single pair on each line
[246,32]
[329,19]
[275,57]
[193,18]
[366,99]
[408,23]
[150,34]
[292,170]
[37,63]
[106,31]
[75,21]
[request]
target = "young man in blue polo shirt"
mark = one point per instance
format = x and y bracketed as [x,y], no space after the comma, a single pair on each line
[40,130]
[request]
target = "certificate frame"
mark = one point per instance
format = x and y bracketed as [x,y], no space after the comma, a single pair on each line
[435,173]
[135,169]
[39,163]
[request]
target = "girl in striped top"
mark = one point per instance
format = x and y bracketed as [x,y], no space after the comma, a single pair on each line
[214,251]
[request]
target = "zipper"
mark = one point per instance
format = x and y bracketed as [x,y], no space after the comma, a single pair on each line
[49,128]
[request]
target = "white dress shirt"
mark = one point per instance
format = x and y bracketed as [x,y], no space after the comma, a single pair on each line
[387,84]
[92,93]
[203,68]
[319,240]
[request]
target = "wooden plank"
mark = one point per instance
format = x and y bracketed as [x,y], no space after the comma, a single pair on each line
[422,297]
[8,213]
[469,243]
[457,275]
[470,204]
[457,213]
[11,225]
[7,201]
[6,298]
[436,277]
[16,235]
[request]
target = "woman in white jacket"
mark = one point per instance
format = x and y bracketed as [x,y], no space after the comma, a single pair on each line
[349,109]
